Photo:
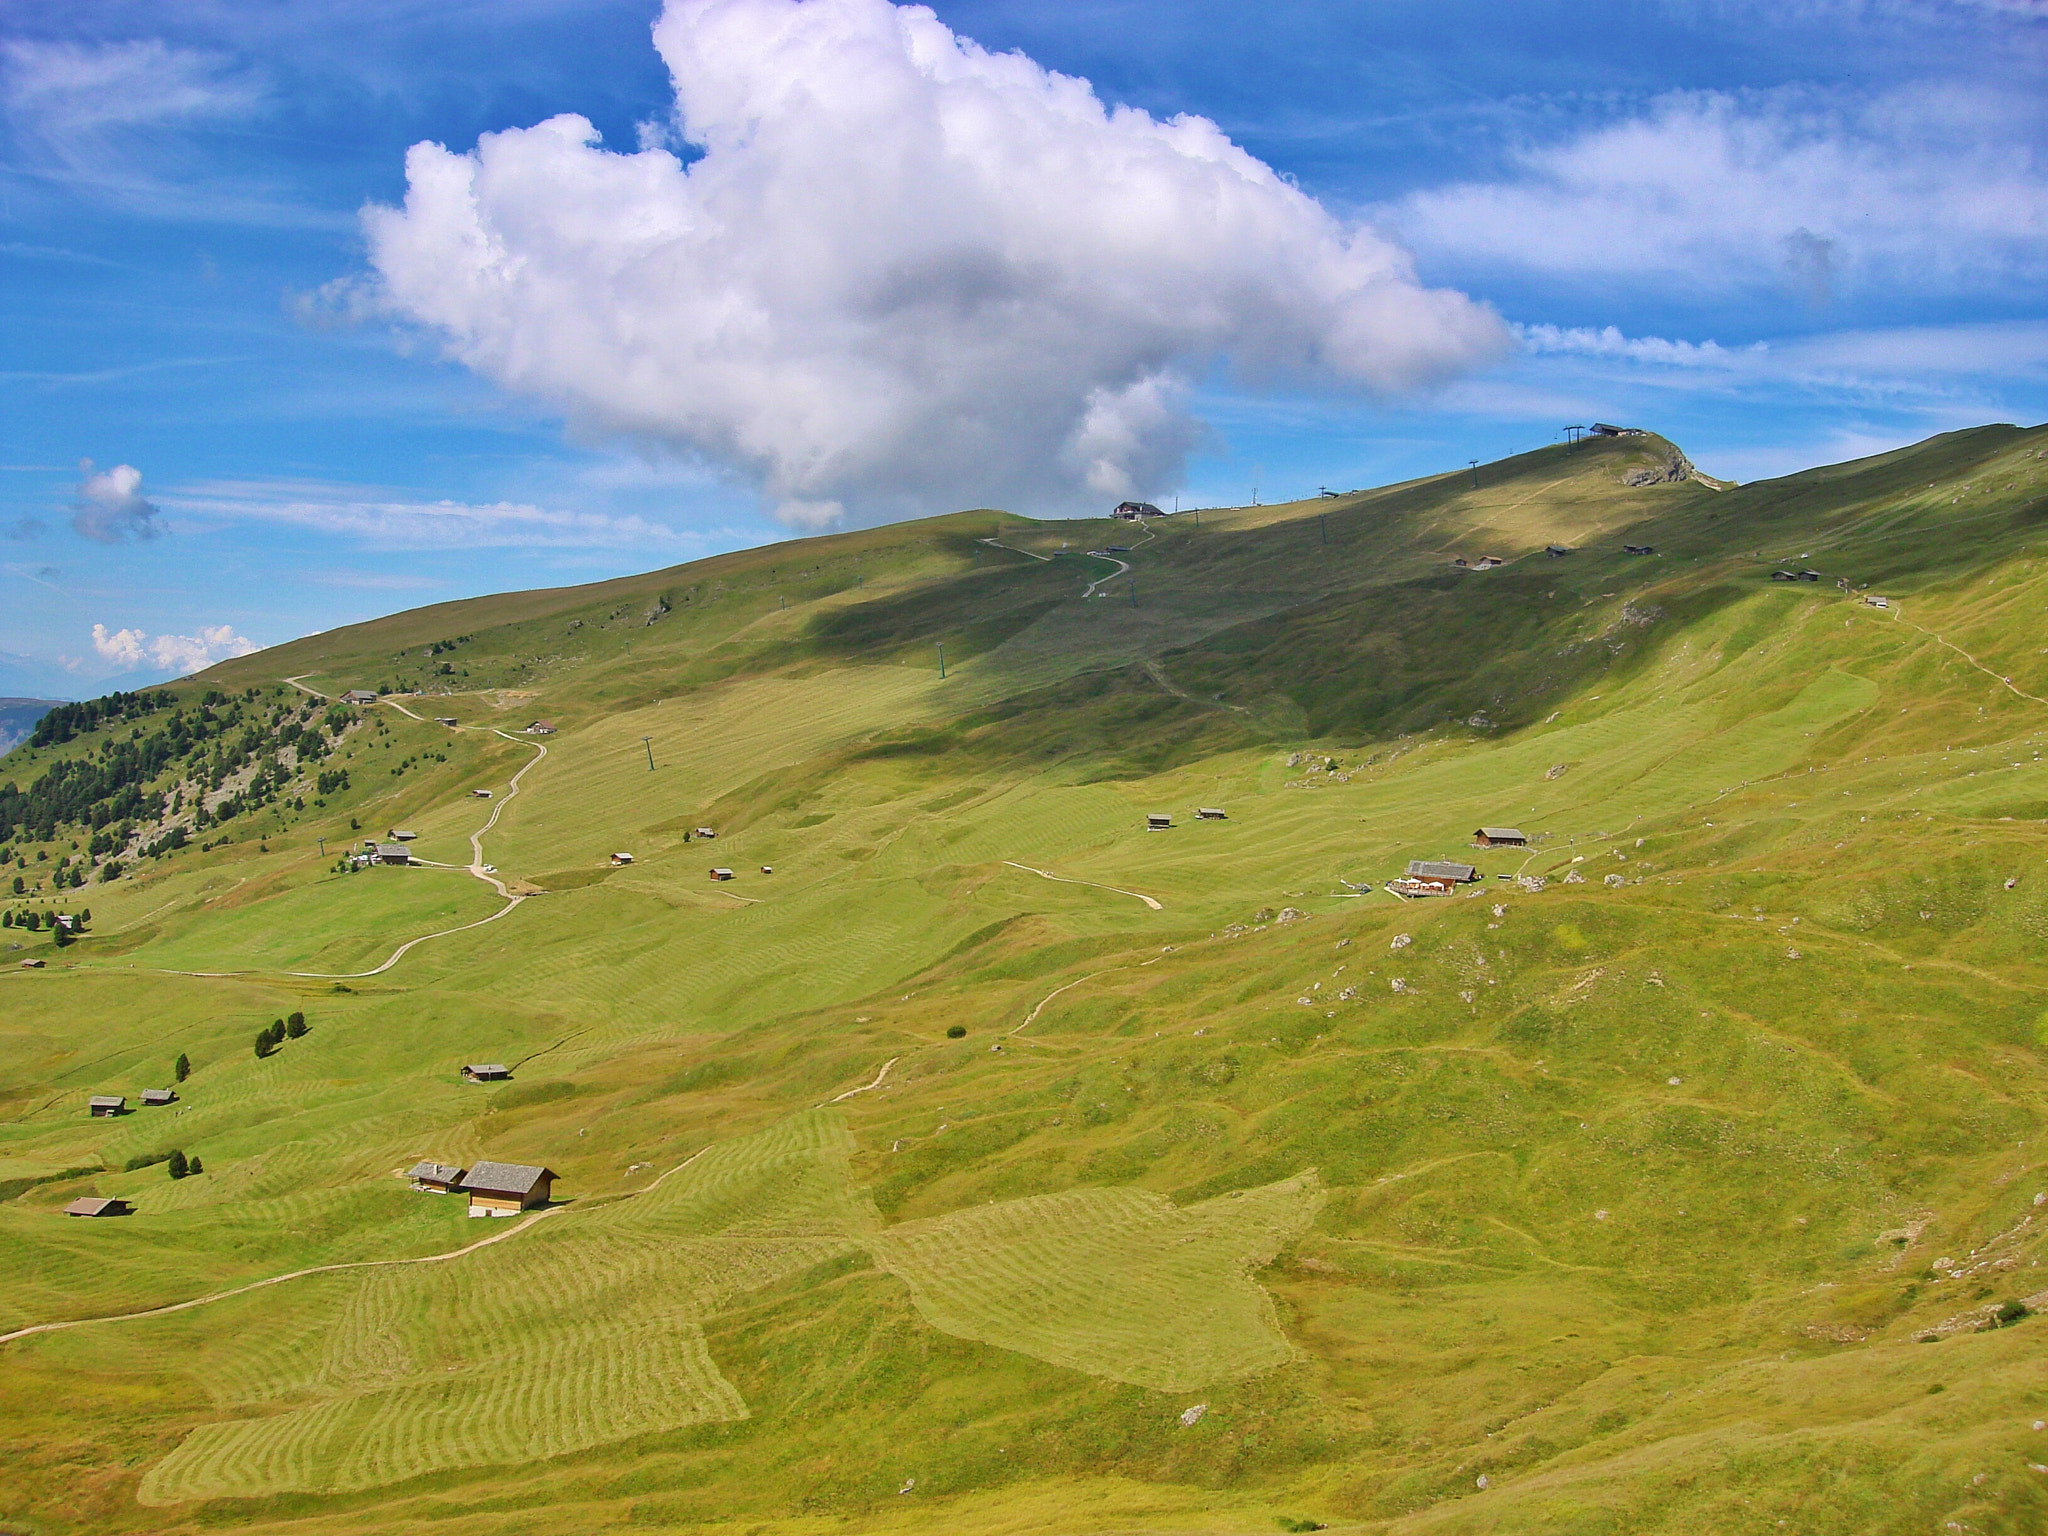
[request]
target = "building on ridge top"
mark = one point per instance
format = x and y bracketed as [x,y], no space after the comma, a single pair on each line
[1136,511]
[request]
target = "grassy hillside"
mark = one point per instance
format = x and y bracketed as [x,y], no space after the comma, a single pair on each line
[977,1159]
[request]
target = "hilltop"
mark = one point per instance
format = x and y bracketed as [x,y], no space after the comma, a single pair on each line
[979,1159]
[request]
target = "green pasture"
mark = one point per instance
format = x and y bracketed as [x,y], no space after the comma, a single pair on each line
[1676,1203]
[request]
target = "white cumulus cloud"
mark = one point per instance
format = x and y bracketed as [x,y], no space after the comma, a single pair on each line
[110,507]
[900,273]
[131,649]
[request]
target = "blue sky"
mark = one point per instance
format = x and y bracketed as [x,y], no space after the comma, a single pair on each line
[677,281]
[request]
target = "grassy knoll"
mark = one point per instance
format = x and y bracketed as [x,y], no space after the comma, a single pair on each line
[1673,1186]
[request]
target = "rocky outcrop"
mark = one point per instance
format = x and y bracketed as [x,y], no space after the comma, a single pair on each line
[1675,470]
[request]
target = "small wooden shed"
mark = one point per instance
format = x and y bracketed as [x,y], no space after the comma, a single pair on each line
[359,696]
[1158,823]
[105,1106]
[706,832]
[1500,837]
[541,728]
[1211,813]
[487,1072]
[506,1189]
[391,853]
[155,1096]
[622,858]
[436,1178]
[721,874]
[94,1205]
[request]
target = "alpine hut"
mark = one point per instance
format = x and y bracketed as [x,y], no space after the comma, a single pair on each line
[506,1189]
[487,1072]
[152,1097]
[1158,822]
[105,1106]
[1499,837]
[95,1205]
[1211,813]
[1432,877]
[436,1178]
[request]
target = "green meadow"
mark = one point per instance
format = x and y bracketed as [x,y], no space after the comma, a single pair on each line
[977,1159]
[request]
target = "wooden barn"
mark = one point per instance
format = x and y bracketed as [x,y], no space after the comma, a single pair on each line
[153,1097]
[487,1072]
[1158,823]
[506,1189]
[721,874]
[391,853]
[94,1205]
[1211,813]
[436,1178]
[105,1106]
[359,696]
[1499,837]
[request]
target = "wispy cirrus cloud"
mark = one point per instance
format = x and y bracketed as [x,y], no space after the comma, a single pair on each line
[1933,187]
[134,123]
[396,522]
[1890,358]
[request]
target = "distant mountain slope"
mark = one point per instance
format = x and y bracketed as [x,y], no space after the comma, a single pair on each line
[18,717]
